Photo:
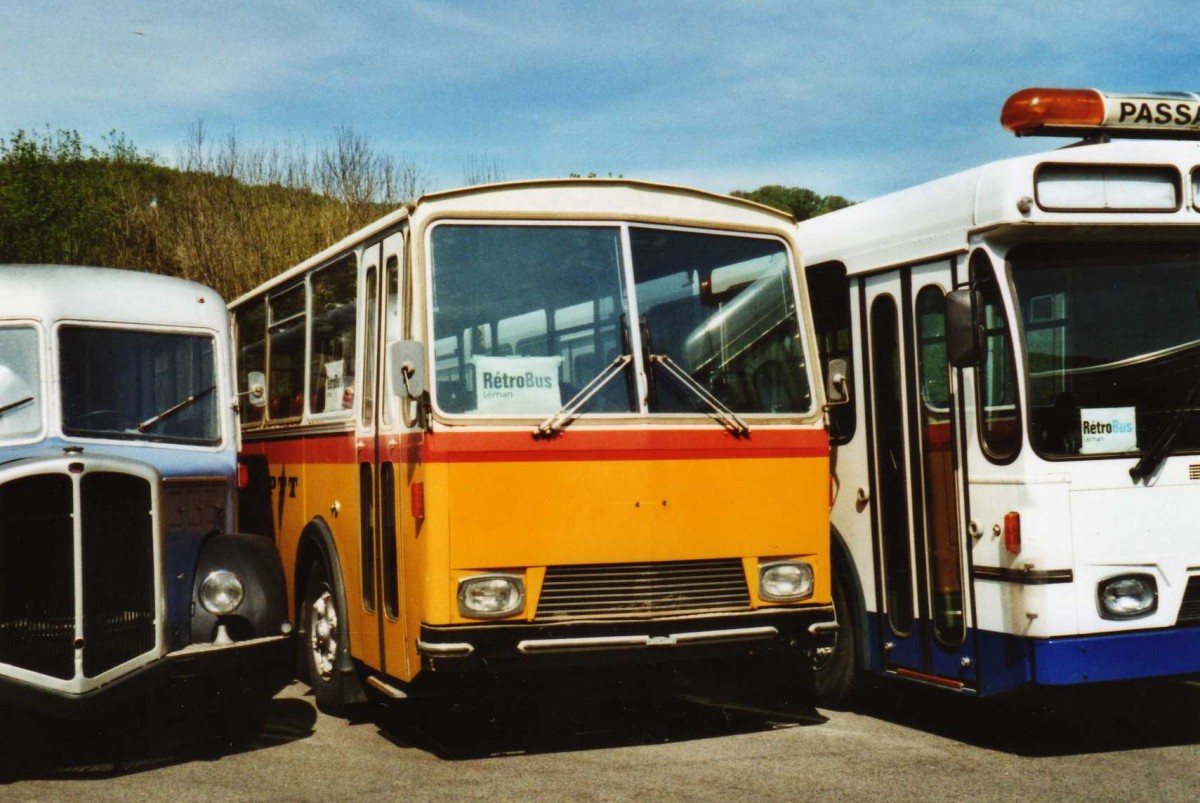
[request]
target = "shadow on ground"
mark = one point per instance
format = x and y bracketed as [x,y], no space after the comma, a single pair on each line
[557,712]
[160,731]
[1072,721]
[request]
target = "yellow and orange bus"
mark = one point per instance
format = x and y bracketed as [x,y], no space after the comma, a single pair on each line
[554,422]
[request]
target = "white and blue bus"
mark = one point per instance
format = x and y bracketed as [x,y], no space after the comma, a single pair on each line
[1017,471]
[119,567]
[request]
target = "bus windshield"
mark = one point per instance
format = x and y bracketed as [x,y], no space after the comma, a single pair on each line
[137,385]
[20,394]
[1112,334]
[527,315]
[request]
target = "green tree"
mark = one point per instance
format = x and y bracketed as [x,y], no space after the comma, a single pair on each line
[801,202]
[62,201]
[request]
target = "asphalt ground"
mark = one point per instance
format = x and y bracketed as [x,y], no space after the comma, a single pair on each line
[735,733]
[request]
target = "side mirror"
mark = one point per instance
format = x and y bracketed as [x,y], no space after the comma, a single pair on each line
[837,384]
[964,335]
[407,360]
[256,393]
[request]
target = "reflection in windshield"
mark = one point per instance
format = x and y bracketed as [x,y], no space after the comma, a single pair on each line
[20,410]
[1112,334]
[526,316]
[117,383]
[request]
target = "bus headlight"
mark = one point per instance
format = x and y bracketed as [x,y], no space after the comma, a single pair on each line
[785,581]
[1128,596]
[221,592]
[490,595]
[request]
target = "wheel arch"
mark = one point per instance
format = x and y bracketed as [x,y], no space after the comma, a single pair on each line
[841,563]
[317,544]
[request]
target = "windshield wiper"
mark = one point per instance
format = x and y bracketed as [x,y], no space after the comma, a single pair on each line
[13,405]
[722,413]
[170,411]
[1155,454]
[571,409]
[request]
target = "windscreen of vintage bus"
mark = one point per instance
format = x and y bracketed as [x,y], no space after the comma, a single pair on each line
[1112,334]
[720,307]
[138,385]
[20,395]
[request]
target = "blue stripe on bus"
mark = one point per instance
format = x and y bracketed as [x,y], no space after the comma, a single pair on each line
[1006,663]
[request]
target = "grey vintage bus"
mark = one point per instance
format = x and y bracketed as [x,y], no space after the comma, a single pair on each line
[119,569]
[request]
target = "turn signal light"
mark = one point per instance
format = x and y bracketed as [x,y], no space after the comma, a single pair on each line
[1012,532]
[418,501]
[243,475]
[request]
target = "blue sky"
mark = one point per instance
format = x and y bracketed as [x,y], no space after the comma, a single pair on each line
[855,99]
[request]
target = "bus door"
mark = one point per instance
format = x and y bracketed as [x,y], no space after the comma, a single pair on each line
[921,625]
[378,443]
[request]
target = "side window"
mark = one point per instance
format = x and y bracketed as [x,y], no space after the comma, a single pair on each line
[285,343]
[370,347]
[996,377]
[829,294]
[251,352]
[335,320]
[390,281]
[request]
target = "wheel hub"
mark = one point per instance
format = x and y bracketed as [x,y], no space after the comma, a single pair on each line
[323,634]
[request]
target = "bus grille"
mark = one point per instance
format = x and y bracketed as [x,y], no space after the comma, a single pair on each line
[642,589]
[1189,611]
[38,566]
[118,570]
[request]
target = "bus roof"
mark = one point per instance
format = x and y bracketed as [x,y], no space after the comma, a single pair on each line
[57,292]
[569,198]
[938,218]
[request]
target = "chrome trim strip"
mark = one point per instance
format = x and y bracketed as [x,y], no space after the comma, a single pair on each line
[816,628]
[194,649]
[385,689]
[447,650]
[1025,577]
[176,482]
[634,642]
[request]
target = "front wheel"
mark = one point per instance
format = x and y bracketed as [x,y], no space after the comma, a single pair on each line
[836,677]
[324,634]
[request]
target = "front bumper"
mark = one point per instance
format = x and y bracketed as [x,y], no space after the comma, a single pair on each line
[265,664]
[499,647]
[1116,656]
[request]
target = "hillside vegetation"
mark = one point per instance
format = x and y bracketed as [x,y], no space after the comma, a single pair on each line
[226,215]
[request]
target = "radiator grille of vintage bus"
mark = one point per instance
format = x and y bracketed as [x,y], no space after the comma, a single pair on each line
[642,589]
[1189,611]
[38,572]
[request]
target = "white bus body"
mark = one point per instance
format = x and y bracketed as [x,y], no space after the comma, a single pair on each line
[991,531]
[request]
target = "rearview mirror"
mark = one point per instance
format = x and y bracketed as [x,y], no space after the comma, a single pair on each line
[407,362]
[837,385]
[255,392]
[964,335]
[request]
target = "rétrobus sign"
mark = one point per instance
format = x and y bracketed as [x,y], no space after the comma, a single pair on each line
[517,384]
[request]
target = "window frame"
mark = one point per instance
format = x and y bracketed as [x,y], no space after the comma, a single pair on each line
[622,226]
[981,260]
[43,399]
[224,435]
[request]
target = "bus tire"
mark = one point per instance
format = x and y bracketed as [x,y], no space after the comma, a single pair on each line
[836,678]
[324,630]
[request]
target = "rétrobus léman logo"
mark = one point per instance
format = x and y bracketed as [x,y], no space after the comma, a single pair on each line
[500,381]
[517,384]
[1107,429]
[1113,427]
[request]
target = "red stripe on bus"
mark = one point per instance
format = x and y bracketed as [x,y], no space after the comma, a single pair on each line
[484,447]
[520,446]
